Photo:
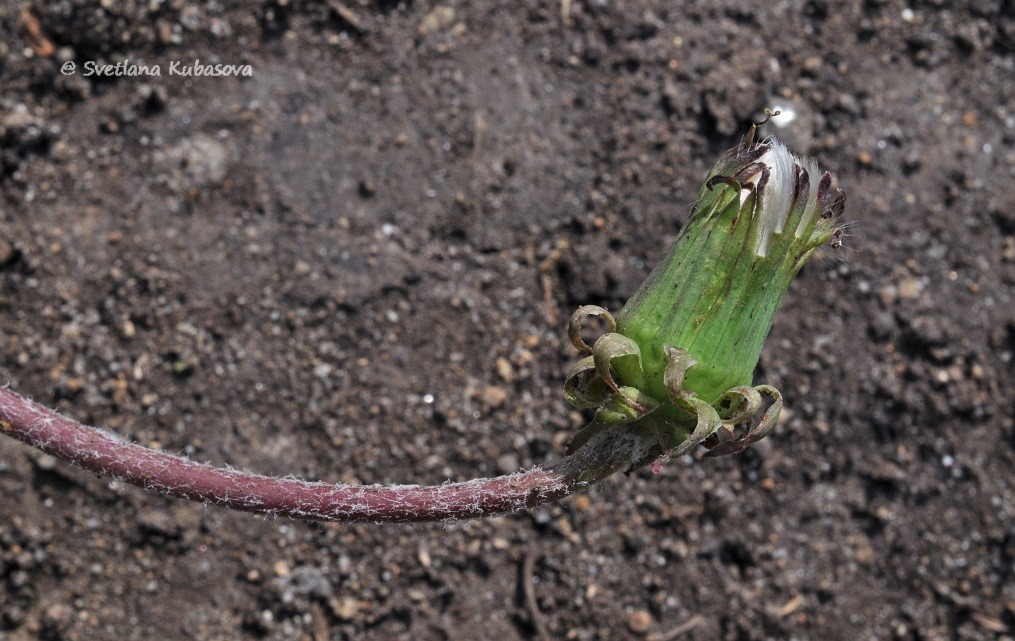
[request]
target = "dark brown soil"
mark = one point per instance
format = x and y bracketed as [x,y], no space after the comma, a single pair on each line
[356,265]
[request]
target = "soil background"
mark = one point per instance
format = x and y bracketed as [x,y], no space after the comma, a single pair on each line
[357,264]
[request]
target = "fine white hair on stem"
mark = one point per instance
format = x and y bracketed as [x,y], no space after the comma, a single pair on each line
[102,452]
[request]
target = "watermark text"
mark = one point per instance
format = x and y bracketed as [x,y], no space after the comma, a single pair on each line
[186,68]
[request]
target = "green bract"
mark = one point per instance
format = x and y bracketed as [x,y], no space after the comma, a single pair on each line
[679,357]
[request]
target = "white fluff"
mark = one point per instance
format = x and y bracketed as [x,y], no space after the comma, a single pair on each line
[777,197]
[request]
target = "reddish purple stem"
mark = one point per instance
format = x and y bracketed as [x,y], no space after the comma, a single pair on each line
[104,453]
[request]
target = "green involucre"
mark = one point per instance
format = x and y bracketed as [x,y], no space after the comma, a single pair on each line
[680,356]
[713,294]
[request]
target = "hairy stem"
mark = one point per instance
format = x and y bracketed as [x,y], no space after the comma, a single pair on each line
[176,476]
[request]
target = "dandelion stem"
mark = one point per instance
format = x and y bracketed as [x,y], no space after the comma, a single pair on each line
[104,453]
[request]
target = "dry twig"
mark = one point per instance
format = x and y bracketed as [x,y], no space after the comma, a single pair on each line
[680,630]
[529,593]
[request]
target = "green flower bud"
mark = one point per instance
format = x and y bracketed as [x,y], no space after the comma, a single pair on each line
[675,369]
[760,215]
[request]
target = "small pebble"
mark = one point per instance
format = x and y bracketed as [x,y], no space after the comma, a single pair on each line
[440,18]
[345,609]
[639,621]
[582,502]
[507,464]
[505,370]
[7,252]
[910,288]
[493,397]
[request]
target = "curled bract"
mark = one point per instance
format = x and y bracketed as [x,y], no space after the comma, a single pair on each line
[678,423]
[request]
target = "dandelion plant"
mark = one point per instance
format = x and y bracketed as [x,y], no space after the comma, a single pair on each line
[674,371]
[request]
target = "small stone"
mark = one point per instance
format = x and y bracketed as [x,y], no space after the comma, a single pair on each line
[1007,250]
[884,514]
[639,622]
[813,64]
[582,502]
[505,370]
[882,325]
[18,118]
[493,397]
[309,581]
[563,527]
[416,595]
[864,553]
[58,613]
[203,159]
[507,464]
[75,384]
[440,18]
[280,568]
[7,252]
[46,463]
[910,288]
[158,522]
[345,608]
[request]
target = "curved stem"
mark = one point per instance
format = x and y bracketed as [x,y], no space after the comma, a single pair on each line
[175,476]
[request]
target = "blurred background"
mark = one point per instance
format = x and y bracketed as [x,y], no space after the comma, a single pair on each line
[354,261]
